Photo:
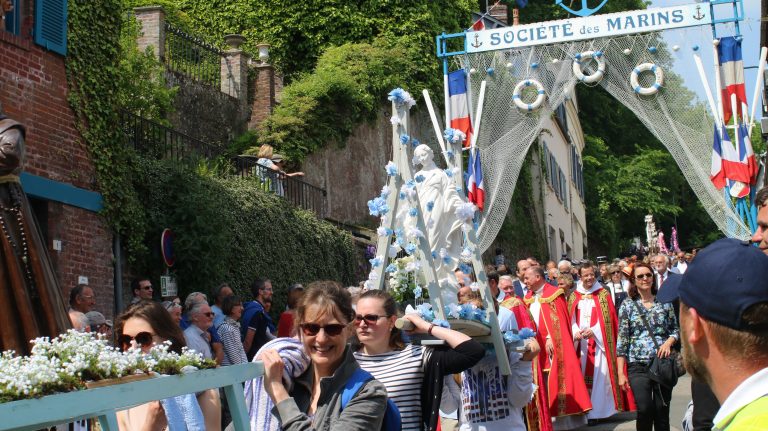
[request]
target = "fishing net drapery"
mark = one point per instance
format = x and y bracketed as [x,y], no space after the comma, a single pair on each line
[683,127]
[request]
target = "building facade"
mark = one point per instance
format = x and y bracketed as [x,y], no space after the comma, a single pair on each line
[58,174]
[561,143]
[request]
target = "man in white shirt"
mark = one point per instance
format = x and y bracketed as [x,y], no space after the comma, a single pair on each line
[661,269]
[724,329]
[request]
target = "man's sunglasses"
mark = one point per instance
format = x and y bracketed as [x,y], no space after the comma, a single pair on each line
[370,319]
[311,329]
[143,339]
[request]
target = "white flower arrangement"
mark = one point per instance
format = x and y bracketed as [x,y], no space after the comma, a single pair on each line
[405,279]
[67,362]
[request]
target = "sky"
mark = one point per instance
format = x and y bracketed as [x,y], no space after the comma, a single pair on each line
[702,36]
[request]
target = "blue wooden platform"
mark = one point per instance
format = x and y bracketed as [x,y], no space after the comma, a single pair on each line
[102,402]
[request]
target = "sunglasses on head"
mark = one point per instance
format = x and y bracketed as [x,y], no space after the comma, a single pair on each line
[370,319]
[143,339]
[311,329]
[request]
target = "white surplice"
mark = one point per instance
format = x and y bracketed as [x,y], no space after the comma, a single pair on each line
[603,404]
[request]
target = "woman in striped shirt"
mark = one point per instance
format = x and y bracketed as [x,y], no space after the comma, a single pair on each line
[412,374]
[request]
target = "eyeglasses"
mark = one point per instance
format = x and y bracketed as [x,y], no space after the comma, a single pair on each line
[311,329]
[370,319]
[614,272]
[143,339]
[209,314]
[147,287]
[644,276]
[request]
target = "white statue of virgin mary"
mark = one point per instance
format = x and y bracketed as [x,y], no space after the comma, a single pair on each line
[439,200]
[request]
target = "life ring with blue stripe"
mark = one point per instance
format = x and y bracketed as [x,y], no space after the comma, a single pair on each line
[634,79]
[583,58]
[540,97]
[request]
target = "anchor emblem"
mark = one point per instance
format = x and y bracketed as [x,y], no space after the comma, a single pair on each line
[699,16]
[585,9]
[477,43]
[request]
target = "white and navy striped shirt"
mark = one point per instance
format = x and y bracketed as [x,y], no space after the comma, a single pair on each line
[401,372]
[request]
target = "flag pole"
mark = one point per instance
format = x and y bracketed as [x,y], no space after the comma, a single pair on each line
[760,69]
[435,124]
[478,116]
[718,82]
[707,90]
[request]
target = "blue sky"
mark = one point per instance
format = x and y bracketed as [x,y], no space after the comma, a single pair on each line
[686,39]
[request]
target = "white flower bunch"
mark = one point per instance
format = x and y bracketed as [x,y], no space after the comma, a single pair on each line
[65,363]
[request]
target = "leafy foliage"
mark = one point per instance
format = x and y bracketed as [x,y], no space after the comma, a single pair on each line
[142,86]
[226,230]
[327,105]
[94,76]
[339,58]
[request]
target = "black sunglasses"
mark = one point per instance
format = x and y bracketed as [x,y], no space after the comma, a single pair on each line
[311,329]
[643,276]
[143,339]
[370,319]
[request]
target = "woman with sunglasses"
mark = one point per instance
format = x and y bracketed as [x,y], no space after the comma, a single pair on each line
[314,400]
[413,374]
[636,347]
[616,285]
[144,325]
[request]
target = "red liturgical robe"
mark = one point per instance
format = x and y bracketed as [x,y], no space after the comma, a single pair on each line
[566,392]
[537,411]
[604,315]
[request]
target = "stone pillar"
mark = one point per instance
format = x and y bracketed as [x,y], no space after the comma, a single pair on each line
[264,94]
[234,69]
[152,21]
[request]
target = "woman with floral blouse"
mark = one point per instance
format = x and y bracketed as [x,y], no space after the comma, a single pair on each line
[636,347]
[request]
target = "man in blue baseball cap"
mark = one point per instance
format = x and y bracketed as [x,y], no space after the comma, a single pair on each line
[724,326]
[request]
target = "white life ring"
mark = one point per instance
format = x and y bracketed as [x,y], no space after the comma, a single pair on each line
[583,58]
[653,89]
[539,98]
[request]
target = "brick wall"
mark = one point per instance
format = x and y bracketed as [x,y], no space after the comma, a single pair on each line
[33,90]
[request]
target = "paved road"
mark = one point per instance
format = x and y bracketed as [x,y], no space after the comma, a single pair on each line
[681,395]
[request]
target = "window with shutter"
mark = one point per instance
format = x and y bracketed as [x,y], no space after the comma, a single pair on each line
[51,25]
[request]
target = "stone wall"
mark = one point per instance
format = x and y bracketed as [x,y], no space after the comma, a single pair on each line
[354,174]
[33,91]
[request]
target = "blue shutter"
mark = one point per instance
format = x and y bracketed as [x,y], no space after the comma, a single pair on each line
[51,25]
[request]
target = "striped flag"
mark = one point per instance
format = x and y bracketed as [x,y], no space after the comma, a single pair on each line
[732,73]
[747,154]
[736,172]
[716,171]
[457,90]
[475,186]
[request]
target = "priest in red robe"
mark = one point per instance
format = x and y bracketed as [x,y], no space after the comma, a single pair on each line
[566,392]
[594,326]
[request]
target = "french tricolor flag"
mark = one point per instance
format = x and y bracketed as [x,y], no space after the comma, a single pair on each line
[747,154]
[475,186]
[734,169]
[457,90]
[732,73]
[716,170]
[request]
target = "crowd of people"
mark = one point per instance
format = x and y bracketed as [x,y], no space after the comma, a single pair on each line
[603,336]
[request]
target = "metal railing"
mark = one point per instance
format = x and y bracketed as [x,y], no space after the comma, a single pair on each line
[295,191]
[153,140]
[192,57]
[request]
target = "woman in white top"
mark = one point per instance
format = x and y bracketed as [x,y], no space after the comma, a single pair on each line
[412,374]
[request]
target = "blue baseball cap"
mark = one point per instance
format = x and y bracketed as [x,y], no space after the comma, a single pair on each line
[724,280]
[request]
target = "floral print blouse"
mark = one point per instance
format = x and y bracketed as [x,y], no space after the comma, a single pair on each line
[634,342]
